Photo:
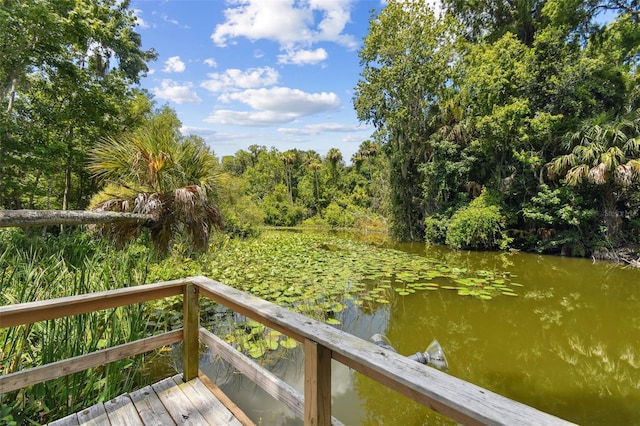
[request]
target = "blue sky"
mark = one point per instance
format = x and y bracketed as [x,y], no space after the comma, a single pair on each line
[278,73]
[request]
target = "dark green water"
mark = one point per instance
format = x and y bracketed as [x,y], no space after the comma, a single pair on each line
[569,344]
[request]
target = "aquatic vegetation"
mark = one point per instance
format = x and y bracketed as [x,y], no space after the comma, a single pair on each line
[316,273]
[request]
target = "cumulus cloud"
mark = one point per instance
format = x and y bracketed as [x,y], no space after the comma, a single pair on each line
[314,129]
[139,21]
[211,62]
[289,23]
[175,92]
[273,106]
[301,57]
[235,79]
[285,100]
[174,64]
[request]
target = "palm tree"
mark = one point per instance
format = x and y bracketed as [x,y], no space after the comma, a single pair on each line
[334,157]
[155,171]
[605,153]
[289,158]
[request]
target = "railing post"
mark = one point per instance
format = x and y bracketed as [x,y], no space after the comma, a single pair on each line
[190,343]
[317,384]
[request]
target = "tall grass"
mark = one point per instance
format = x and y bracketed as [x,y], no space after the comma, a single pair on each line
[37,268]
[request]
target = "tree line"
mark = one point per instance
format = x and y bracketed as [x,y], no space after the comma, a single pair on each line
[508,123]
[497,124]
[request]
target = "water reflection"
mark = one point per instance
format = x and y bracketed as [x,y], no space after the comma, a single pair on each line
[568,345]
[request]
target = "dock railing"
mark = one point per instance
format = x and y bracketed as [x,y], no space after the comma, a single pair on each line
[461,401]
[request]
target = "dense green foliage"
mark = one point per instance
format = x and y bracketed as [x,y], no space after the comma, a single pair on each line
[35,267]
[536,102]
[314,274]
[66,75]
[519,98]
[497,124]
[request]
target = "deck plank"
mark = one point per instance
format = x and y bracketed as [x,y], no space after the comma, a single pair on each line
[168,402]
[208,405]
[95,415]
[177,404]
[70,420]
[150,408]
[121,411]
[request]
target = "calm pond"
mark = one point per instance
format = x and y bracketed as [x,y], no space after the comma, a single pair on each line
[567,344]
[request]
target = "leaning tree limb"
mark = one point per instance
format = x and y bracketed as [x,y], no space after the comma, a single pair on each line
[25,218]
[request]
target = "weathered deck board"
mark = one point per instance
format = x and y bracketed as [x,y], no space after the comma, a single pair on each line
[181,409]
[121,411]
[70,420]
[210,408]
[150,408]
[95,415]
[168,402]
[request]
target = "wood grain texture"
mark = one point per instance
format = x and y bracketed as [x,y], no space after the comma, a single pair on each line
[317,384]
[191,345]
[459,400]
[150,408]
[26,313]
[207,405]
[21,379]
[95,415]
[121,411]
[25,218]
[182,411]
[70,420]
[224,399]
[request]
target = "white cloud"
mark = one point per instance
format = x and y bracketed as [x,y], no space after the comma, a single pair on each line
[249,118]
[174,64]
[139,21]
[273,106]
[314,129]
[172,91]
[211,62]
[289,23]
[235,79]
[301,57]
[285,100]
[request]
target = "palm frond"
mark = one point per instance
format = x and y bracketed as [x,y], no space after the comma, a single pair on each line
[624,175]
[576,174]
[632,146]
[598,174]
[611,158]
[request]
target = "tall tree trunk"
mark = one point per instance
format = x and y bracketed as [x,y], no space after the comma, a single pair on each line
[67,172]
[612,219]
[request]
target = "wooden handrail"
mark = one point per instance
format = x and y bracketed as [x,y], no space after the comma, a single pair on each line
[27,313]
[448,395]
[43,373]
[459,400]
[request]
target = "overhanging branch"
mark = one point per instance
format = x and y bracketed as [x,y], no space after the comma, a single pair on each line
[25,218]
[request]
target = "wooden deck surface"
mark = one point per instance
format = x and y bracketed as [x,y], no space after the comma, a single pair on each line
[168,402]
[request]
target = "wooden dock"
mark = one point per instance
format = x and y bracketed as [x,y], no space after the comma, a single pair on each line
[172,401]
[168,402]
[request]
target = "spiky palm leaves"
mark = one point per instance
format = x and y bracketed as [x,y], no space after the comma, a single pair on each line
[157,173]
[602,152]
[605,153]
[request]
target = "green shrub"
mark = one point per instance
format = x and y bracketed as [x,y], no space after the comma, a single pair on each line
[279,211]
[338,216]
[435,229]
[244,219]
[314,222]
[476,226]
[562,221]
